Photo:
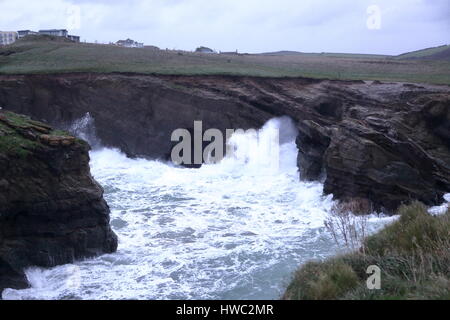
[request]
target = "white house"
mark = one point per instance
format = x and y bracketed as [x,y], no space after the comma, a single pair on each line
[129,44]
[51,32]
[24,33]
[8,37]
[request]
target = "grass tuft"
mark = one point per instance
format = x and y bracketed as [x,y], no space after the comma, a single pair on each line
[412,253]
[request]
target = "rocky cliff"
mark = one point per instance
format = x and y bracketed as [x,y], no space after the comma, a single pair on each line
[51,209]
[388,142]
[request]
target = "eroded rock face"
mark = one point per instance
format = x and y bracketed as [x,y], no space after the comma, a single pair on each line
[390,156]
[388,142]
[134,113]
[51,209]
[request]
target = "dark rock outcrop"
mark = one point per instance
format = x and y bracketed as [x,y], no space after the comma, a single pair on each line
[388,142]
[51,209]
[388,154]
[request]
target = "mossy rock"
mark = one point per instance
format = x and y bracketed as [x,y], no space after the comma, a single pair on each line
[20,135]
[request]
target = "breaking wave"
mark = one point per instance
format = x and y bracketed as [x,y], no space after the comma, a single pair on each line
[232,230]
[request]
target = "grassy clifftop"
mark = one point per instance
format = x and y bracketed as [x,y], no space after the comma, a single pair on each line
[49,55]
[413,254]
[20,136]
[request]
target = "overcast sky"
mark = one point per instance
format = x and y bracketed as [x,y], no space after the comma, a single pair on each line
[356,26]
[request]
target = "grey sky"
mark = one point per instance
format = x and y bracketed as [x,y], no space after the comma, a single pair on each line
[247,25]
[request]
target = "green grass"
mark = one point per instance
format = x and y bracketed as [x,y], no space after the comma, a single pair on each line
[19,134]
[41,56]
[13,144]
[425,53]
[60,133]
[413,254]
[329,54]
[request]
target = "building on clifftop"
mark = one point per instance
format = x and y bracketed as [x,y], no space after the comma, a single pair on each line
[129,43]
[8,37]
[55,32]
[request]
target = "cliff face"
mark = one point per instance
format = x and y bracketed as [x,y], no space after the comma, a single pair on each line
[390,153]
[134,113]
[388,142]
[51,209]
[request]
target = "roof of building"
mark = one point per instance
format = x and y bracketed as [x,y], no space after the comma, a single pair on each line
[128,40]
[204,49]
[51,30]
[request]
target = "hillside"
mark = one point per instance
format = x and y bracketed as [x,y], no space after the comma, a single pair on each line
[327,54]
[45,55]
[436,53]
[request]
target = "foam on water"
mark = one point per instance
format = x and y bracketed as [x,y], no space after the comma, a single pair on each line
[232,230]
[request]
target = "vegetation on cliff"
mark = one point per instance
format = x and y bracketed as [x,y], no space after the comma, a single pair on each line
[50,55]
[413,254]
[19,135]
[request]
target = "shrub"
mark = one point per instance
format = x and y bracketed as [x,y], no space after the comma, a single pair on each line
[347,222]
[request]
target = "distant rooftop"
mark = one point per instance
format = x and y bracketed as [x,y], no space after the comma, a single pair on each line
[50,30]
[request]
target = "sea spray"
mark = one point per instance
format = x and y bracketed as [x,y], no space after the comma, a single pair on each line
[84,128]
[232,230]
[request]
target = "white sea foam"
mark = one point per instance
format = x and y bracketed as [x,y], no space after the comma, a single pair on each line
[232,230]
[442,209]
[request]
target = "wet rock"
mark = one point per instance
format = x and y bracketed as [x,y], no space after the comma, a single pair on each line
[57,140]
[378,156]
[119,223]
[51,209]
[312,142]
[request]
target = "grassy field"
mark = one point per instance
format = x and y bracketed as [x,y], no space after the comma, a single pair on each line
[328,54]
[53,56]
[413,255]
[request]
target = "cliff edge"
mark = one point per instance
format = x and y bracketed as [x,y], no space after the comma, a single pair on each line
[51,209]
